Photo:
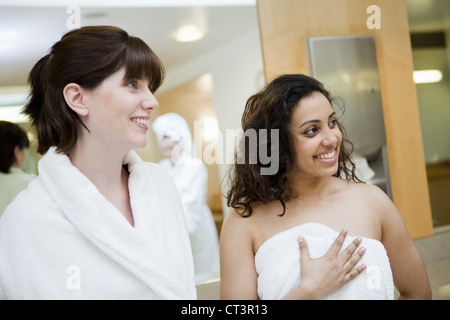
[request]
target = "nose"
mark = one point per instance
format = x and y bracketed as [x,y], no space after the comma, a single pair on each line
[330,138]
[149,101]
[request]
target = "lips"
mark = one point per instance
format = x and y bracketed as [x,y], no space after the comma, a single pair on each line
[141,122]
[329,155]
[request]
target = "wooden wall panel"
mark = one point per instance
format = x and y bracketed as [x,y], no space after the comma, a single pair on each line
[284,26]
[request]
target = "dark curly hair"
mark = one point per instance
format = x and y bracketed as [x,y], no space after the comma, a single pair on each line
[272,108]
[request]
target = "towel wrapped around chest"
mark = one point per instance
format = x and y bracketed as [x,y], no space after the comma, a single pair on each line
[277,263]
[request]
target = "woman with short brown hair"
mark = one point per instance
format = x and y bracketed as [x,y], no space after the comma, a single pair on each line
[98,222]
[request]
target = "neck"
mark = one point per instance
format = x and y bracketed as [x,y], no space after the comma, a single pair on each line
[309,187]
[100,163]
[16,165]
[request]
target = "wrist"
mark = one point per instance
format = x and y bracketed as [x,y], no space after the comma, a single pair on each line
[303,292]
[308,291]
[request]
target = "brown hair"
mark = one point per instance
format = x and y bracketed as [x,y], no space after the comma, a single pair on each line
[85,56]
[272,108]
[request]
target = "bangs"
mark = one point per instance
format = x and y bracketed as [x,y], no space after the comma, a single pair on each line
[142,63]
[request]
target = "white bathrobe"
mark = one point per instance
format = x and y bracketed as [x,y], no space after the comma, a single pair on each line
[191,180]
[61,239]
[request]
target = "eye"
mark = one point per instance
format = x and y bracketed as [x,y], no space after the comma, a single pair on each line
[133,85]
[333,123]
[310,131]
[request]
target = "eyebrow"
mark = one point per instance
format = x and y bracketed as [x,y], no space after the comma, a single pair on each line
[317,121]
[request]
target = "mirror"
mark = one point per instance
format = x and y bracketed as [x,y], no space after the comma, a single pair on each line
[229,50]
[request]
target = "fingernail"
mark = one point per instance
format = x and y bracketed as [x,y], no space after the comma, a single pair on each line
[300,239]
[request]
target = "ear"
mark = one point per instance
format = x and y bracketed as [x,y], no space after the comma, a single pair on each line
[74,95]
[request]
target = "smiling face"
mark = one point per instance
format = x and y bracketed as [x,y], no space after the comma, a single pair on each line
[119,111]
[317,137]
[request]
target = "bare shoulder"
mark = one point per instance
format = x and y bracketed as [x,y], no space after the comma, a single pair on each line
[233,220]
[380,206]
[369,193]
[361,207]
[250,231]
[377,199]
[236,228]
[236,220]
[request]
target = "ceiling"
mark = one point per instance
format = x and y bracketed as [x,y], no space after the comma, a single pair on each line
[27,33]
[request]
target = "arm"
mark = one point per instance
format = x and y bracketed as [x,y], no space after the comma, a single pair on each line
[238,278]
[410,276]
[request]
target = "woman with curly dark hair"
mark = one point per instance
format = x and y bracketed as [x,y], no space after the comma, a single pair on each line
[281,239]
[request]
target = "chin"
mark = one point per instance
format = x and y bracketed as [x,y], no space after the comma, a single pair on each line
[328,172]
[139,144]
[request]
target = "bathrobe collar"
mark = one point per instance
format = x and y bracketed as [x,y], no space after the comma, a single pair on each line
[139,249]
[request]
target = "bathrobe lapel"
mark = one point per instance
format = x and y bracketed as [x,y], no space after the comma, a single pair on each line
[144,250]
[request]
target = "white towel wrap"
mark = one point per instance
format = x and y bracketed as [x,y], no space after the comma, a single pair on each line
[277,263]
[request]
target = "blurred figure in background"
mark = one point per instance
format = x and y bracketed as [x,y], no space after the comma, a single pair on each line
[191,179]
[13,145]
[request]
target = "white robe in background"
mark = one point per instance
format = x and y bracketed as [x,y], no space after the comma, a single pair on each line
[191,178]
[62,239]
[11,184]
